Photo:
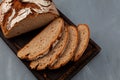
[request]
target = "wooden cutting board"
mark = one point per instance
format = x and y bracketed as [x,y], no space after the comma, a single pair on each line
[64,73]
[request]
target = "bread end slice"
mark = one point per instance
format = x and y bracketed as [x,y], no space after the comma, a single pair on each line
[84,36]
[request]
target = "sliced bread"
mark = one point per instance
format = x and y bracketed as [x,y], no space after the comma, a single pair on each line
[41,44]
[43,62]
[69,50]
[84,36]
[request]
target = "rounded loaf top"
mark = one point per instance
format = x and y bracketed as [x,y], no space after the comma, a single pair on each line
[13,11]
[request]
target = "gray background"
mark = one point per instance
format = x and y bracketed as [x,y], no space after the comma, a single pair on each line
[103,17]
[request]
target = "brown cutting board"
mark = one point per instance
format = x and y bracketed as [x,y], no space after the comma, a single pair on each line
[64,73]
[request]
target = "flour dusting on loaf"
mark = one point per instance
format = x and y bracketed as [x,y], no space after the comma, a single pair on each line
[6,5]
[23,13]
[39,2]
[17,14]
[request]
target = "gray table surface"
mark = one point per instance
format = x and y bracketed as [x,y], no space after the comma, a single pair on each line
[103,17]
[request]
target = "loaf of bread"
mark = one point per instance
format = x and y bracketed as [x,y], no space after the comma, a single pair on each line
[40,45]
[21,16]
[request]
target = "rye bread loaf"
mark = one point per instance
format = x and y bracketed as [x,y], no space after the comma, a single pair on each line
[21,16]
[84,36]
[47,60]
[41,44]
[69,50]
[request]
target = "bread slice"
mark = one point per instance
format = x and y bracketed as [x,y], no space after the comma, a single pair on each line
[69,50]
[21,16]
[40,45]
[43,62]
[84,36]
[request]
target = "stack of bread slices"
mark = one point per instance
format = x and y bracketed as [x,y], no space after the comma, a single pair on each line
[56,45]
